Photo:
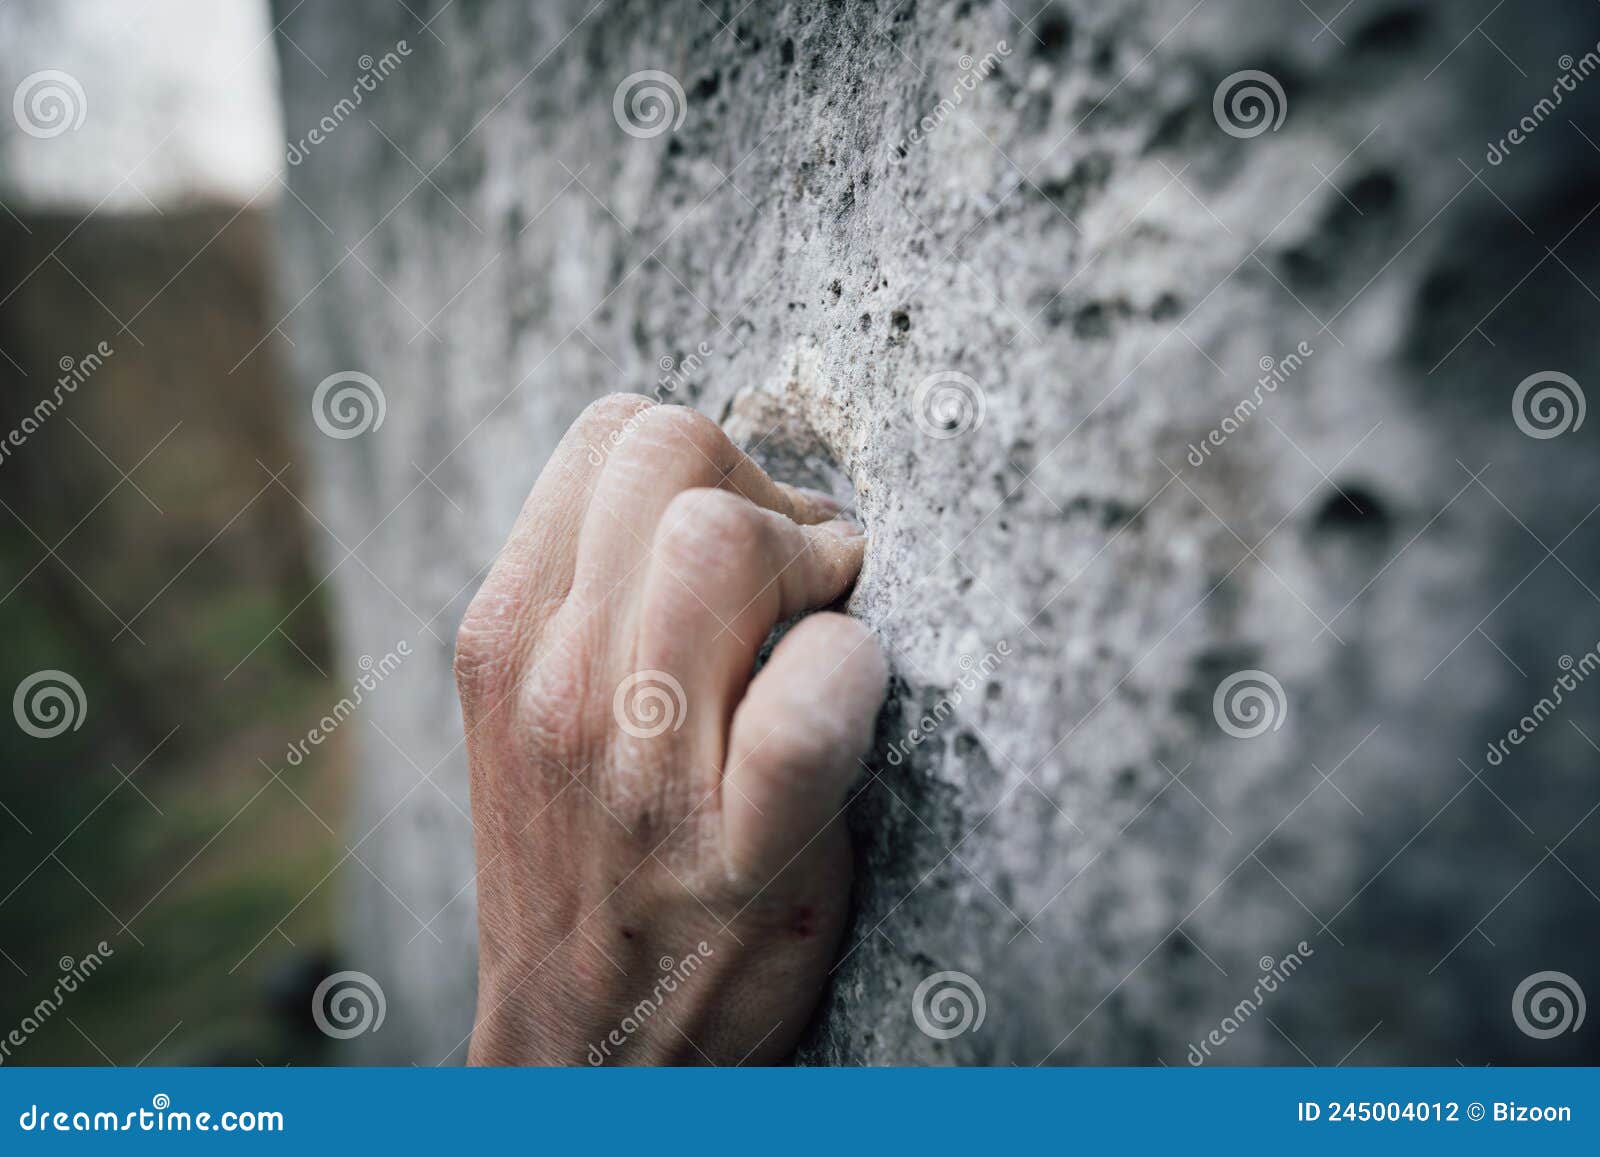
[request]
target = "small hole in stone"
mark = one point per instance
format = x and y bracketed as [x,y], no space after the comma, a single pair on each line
[1055,34]
[790,451]
[900,321]
[1353,511]
[866,322]
[786,52]
[1375,192]
[1393,31]
[706,87]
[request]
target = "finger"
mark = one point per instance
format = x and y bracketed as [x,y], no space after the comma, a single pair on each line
[533,570]
[796,741]
[666,451]
[722,575]
[546,530]
[689,432]
[807,506]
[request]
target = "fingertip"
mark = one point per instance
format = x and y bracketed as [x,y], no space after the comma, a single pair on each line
[807,506]
[842,546]
[844,527]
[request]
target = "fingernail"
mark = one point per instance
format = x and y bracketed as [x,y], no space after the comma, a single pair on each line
[822,498]
[845,528]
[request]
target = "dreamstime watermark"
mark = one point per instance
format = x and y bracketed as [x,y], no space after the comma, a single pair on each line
[49,103]
[49,703]
[649,103]
[947,1004]
[348,404]
[375,671]
[1249,103]
[973,674]
[347,1004]
[1577,671]
[73,973]
[1572,73]
[1548,1004]
[675,374]
[160,1117]
[1548,404]
[1249,703]
[948,404]
[650,703]
[74,372]
[673,973]
[1273,974]
[1274,373]
[373,73]
[973,72]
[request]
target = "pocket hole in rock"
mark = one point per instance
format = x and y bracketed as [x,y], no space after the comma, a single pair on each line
[791,452]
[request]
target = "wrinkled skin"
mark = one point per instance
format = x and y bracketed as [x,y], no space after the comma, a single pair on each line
[663,867]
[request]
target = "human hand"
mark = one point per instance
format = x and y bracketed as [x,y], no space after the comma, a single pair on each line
[663,867]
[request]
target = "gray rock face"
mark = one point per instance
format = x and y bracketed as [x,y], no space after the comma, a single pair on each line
[1135,393]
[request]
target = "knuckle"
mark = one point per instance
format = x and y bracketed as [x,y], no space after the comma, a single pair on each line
[612,412]
[809,738]
[679,430]
[558,707]
[712,528]
[484,645]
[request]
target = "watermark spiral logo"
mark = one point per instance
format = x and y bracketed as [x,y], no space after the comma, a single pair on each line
[948,1004]
[649,103]
[161,1102]
[948,404]
[348,1004]
[348,404]
[49,703]
[1249,103]
[1548,404]
[1548,1004]
[49,103]
[649,703]
[1249,703]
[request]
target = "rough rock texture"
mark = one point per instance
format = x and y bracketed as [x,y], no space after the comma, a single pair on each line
[1082,240]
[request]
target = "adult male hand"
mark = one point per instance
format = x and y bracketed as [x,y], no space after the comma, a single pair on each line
[663,868]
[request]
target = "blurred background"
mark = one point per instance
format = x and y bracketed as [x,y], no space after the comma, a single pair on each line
[152,545]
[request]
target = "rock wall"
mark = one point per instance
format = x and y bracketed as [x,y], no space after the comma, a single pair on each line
[1137,390]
